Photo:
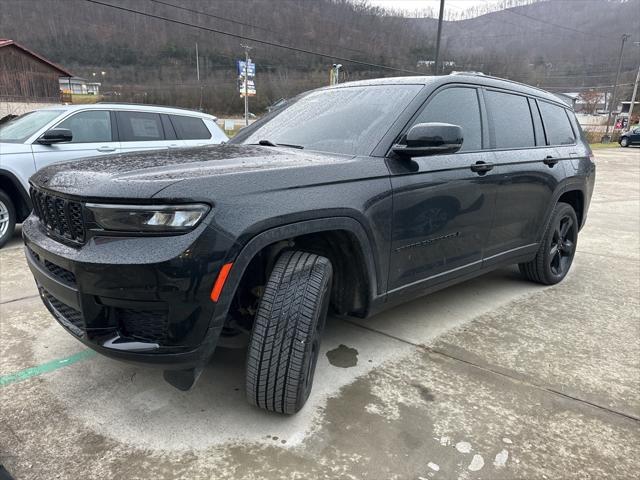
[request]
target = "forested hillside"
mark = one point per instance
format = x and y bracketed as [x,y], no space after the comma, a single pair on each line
[555,43]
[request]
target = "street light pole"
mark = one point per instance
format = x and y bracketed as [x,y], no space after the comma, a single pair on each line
[436,63]
[607,138]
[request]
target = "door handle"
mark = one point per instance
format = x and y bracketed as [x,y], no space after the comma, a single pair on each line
[481,167]
[550,161]
[106,149]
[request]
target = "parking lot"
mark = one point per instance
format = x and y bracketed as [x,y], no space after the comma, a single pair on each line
[496,378]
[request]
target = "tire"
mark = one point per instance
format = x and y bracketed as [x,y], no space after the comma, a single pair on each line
[624,142]
[285,341]
[7,218]
[557,249]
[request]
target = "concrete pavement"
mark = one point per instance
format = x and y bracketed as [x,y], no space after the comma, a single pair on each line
[496,378]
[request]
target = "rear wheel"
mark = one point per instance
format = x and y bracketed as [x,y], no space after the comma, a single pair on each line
[624,142]
[555,254]
[7,218]
[285,340]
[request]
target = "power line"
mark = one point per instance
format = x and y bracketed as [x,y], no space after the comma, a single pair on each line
[253,39]
[244,24]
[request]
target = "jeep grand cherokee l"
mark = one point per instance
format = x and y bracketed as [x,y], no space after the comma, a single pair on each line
[351,198]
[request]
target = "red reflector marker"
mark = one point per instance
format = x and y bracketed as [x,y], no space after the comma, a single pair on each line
[222,277]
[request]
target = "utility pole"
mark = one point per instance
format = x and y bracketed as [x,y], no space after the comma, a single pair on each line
[246,84]
[612,103]
[198,76]
[436,63]
[633,97]
[197,63]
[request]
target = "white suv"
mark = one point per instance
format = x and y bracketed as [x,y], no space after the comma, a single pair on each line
[69,132]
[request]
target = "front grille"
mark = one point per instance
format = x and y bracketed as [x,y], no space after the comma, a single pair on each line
[59,272]
[68,314]
[143,325]
[62,217]
[56,270]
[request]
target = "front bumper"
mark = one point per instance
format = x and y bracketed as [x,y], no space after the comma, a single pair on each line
[138,299]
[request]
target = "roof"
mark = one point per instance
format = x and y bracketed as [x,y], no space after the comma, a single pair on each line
[129,106]
[462,77]
[5,42]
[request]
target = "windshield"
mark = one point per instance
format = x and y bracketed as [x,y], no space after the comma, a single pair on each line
[350,120]
[21,128]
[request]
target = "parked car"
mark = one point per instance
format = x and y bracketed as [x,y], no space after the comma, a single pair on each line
[60,133]
[632,137]
[352,198]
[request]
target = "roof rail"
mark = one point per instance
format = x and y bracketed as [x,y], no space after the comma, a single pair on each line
[471,72]
[152,105]
[484,75]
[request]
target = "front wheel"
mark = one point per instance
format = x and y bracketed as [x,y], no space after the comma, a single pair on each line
[285,340]
[624,142]
[7,218]
[557,249]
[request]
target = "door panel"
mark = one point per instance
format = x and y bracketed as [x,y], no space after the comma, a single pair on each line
[527,173]
[443,204]
[92,136]
[525,187]
[442,216]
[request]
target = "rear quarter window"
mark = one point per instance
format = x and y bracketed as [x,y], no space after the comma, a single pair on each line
[190,128]
[556,124]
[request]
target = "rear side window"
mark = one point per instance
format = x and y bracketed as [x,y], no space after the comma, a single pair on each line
[89,127]
[458,106]
[139,127]
[190,128]
[556,124]
[511,124]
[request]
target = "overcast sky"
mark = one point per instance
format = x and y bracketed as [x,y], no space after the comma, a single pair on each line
[412,5]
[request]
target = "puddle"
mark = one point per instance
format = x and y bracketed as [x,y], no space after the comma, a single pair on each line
[343,356]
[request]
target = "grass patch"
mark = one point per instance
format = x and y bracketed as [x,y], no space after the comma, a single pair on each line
[596,146]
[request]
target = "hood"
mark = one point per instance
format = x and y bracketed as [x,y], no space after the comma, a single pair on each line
[141,175]
[13,148]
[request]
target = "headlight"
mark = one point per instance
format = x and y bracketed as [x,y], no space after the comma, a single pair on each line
[148,218]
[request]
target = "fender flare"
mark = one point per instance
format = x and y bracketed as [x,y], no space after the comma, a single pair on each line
[24,195]
[273,235]
[567,185]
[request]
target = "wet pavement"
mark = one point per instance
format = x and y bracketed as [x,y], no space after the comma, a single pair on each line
[496,378]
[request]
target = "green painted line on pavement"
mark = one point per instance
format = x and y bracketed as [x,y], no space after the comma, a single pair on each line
[27,373]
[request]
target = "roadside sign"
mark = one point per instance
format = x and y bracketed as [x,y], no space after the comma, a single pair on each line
[250,89]
[251,68]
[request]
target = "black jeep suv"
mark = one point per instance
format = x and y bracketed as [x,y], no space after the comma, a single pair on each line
[351,198]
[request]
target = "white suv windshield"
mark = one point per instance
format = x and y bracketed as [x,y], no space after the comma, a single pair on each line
[21,128]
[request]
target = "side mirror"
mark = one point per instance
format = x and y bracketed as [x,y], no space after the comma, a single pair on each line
[55,135]
[429,139]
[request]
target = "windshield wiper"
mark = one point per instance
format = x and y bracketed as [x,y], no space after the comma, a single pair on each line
[269,143]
